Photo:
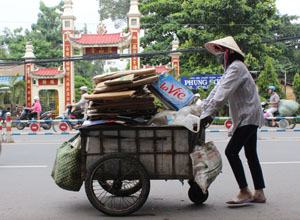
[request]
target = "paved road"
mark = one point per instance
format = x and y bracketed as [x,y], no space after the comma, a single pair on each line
[28,192]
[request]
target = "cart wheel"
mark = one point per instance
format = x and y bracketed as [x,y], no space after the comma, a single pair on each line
[195,193]
[121,188]
[107,185]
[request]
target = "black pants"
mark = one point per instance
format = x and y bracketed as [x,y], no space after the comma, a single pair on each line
[245,136]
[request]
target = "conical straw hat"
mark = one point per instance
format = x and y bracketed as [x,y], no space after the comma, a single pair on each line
[227,42]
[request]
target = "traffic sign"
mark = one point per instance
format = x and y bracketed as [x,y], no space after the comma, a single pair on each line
[228,123]
[63,126]
[34,127]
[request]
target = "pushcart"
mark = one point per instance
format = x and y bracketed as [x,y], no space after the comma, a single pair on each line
[118,162]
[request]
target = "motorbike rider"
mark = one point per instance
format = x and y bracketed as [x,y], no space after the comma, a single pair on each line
[36,108]
[237,87]
[273,103]
[82,104]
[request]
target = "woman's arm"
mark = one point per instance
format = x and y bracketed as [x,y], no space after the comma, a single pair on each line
[231,81]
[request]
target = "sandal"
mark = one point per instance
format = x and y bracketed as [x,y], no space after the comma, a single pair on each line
[239,202]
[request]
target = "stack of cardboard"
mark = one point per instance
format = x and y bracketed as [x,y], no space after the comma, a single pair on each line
[122,95]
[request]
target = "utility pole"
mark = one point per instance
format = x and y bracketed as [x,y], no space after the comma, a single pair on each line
[285,82]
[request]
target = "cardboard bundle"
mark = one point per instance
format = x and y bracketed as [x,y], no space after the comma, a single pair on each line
[122,95]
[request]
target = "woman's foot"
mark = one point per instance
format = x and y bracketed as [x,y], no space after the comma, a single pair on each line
[259,196]
[244,196]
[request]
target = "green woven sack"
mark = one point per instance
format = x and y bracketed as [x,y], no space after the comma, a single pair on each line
[66,169]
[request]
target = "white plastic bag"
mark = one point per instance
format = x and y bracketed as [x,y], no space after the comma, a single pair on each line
[163,118]
[191,109]
[187,117]
[207,164]
[288,107]
[189,121]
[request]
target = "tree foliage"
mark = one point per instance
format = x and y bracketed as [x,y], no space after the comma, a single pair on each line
[15,42]
[89,69]
[288,61]
[45,35]
[15,93]
[116,10]
[81,81]
[196,22]
[268,77]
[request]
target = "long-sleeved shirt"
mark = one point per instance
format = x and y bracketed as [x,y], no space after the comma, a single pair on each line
[274,100]
[37,107]
[82,104]
[238,88]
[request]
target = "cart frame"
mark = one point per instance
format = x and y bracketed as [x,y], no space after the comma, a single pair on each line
[102,133]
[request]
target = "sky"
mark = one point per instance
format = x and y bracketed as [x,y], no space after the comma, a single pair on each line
[22,13]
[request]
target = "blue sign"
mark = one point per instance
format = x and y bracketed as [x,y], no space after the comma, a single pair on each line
[200,81]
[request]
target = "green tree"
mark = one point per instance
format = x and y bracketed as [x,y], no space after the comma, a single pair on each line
[115,10]
[45,35]
[2,95]
[198,21]
[89,68]
[3,51]
[15,42]
[17,91]
[267,77]
[14,95]
[160,25]
[251,62]
[296,87]
[288,60]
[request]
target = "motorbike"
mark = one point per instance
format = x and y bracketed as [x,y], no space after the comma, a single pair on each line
[26,115]
[280,121]
[67,117]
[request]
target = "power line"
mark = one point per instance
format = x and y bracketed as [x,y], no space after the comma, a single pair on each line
[282,39]
[101,57]
[11,62]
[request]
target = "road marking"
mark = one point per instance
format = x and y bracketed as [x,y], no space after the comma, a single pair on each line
[287,139]
[280,162]
[23,166]
[41,143]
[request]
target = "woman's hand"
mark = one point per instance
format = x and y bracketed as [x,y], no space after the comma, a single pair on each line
[206,121]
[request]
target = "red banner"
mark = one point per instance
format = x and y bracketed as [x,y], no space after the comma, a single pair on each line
[175,62]
[134,50]
[68,70]
[28,85]
[101,50]
[48,82]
